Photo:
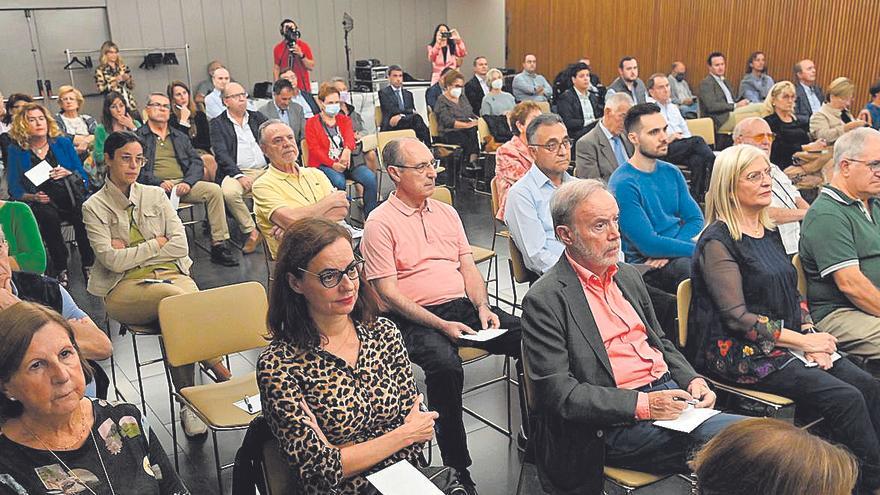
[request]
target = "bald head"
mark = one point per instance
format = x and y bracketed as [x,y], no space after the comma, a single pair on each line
[754,131]
[220,78]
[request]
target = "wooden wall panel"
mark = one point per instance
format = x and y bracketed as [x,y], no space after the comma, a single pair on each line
[841,37]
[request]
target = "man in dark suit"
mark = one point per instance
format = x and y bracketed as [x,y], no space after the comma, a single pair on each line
[240,161]
[280,108]
[601,369]
[578,106]
[809,94]
[599,152]
[717,99]
[399,108]
[476,88]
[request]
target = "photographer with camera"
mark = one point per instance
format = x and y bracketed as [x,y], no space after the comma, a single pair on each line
[445,50]
[295,54]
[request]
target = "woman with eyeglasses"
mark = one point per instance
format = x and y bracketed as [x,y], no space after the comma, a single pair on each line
[336,384]
[792,135]
[750,327]
[456,120]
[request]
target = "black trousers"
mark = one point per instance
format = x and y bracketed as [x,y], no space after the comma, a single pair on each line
[668,277]
[415,122]
[466,138]
[438,357]
[849,400]
[49,218]
[695,154]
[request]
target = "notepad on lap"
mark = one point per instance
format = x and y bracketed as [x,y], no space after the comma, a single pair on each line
[39,173]
[484,335]
[402,478]
[689,420]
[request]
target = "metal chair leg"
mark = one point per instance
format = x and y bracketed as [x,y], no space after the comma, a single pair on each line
[217,461]
[137,367]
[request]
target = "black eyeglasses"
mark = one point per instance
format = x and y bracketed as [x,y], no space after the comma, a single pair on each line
[553,146]
[330,277]
[164,106]
[421,168]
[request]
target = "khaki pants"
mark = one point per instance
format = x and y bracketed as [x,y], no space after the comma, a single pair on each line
[210,194]
[234,196]
[136,303]
[857,332]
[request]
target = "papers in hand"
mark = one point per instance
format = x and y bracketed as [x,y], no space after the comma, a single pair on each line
[484,335]
[800,355]
[254,401]
[39,173]
[175,198]
[402,478]
[690,418]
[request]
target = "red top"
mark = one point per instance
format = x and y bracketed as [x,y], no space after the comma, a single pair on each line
[319,142]
[281,53]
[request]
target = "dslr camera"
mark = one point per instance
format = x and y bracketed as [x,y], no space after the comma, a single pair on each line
[446,34]
[291,35]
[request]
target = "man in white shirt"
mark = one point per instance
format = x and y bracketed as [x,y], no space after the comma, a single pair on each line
[788,207]
[213,101]
[684,148]
[809,94]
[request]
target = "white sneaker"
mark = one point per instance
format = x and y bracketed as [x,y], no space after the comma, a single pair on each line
[192,425]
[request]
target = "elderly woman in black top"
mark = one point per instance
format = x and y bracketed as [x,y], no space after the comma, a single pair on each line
[57,441]
[750,325]
[336,384]
[456,120]
[791,134]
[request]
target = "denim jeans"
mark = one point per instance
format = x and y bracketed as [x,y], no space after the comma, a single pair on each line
[360,174]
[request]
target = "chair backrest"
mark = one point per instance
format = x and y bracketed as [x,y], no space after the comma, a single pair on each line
[433,125]
[386,137]
[483,131]
[276,471]
[521,274]
[304,152]
[802,277]
[704,128]
[742,115]
[442,194]
[683,299]
[214,322]
[544,106]
[378,117]
[494,188]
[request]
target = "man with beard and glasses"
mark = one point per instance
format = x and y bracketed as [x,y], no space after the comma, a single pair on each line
[659,219]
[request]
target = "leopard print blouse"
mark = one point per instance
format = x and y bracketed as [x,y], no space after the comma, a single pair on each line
[352,405]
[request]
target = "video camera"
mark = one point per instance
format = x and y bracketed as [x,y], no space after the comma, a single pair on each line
[290,32]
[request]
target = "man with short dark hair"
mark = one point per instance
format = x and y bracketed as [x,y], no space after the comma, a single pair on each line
[239,159]
[528,85]
[578,106]
[173,164]
[681,91]
[294,54]
[280,108]
[599,152]
[477,87]
[684,148]
[304,99]
[809,94]
[659,220]
[628,80]
[399,108]
[717,100]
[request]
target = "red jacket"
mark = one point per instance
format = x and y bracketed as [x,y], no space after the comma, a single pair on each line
[319,143]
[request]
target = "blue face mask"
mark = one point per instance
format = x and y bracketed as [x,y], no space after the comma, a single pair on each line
[331,109]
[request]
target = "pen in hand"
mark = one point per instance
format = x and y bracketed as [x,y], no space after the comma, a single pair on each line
[692,402]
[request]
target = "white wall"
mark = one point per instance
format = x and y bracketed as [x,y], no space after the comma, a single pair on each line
[481,24]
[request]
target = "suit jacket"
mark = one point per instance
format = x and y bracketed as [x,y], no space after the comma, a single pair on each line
[638,94]
[190,162]
[802,108]
[225,143]
[295,115]
[568,106]
[713,102]
[390,105]
[574,391]
[594,155]
[474,93]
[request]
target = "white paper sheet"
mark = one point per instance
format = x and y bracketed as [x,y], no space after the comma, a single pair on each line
[39,173]
[688,421]
[355,232]
[175,199]
[484,335]
[800,355]
[402,478]
[256,405]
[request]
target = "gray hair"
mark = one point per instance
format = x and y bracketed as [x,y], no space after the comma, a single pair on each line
[545,119]
[615,100]
[569,196]
[392,154]
[261,130]
[336,79]
[740,128]
[851,144]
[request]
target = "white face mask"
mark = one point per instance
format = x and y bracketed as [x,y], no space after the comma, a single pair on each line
[455,92]
[497,83]
[331,109]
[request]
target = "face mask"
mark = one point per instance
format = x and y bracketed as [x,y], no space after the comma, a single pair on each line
[345,96]
[497,83]
[680,77]
[331,109]
[455,92]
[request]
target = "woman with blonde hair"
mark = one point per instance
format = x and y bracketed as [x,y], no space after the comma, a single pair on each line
[764,456]
[835,118]
[37,139]
[80,128]
[748,323]
[113,75]
[792,135]
[496,101]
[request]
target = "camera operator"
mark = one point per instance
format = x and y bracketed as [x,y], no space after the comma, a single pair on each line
[293,53]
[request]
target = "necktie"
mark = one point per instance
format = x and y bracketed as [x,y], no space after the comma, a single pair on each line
[619,151]
[400,97]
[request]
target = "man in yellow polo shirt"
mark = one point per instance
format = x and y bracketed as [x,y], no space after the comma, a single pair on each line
[287,192]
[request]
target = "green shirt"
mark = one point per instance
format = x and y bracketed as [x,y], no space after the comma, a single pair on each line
[23,236]
[166,166]
[837,232]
